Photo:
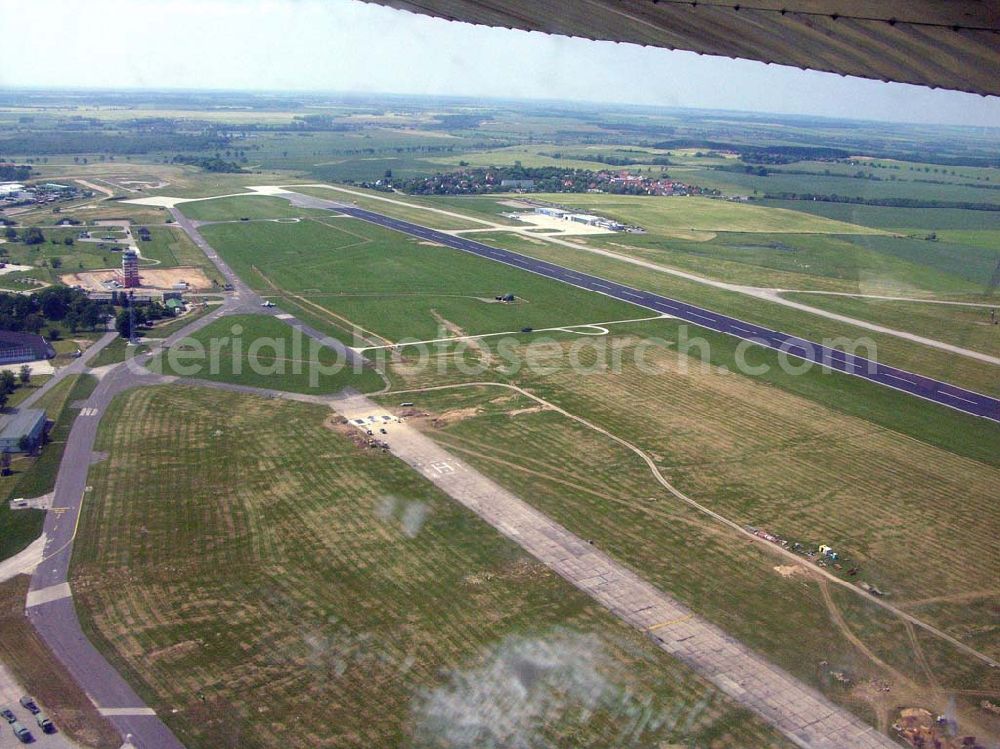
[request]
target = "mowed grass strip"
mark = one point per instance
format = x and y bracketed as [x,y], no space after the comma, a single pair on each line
[265,582]
[603,492]
[263,351]
[400,287]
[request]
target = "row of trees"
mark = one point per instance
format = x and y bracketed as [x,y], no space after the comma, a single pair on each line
[55,304]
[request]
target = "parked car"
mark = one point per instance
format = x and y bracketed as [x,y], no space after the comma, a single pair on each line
[8,715]
[22,733]
[29,704]
[44,723]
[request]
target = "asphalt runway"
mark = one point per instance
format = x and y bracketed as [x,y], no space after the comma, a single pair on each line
[943,393]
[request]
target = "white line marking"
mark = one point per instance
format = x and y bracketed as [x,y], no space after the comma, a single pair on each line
[956,397]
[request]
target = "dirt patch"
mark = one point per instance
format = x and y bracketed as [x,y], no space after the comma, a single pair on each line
[151,278]
[430,244]
[791,570]
[172,652]
[527,410]
[455,415]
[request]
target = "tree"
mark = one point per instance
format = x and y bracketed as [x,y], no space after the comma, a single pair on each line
[33,323]
[56,262]
[10,233]
[34,236]
[122,322]
[8,383]
[54,334]
[68,241]
[24,375]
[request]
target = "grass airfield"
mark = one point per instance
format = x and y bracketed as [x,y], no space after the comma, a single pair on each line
[749,448]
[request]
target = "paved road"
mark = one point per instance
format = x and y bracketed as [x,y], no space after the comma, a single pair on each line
[927,388]
[50,604]
[802,714]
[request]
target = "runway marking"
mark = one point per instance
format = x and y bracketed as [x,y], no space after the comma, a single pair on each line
[669,622]
[59,511]
[956,397]
[904,379]
[115,712]
[89,412]
[631,294]
[285,316]
[702,317]
[47,595]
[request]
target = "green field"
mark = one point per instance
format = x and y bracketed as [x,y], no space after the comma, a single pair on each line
[398,287]
[889,349]
[821,262]
[759,457]
[671,216]
[251,206]
[290,589]
[968,327]
[262,351]
[905,220]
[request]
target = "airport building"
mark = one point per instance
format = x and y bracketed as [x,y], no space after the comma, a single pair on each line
[23,347]
[25,429]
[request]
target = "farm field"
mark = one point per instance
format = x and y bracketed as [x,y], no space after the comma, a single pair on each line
[761,460]
[262,351]
[398,287]
[968,327]
[337,599]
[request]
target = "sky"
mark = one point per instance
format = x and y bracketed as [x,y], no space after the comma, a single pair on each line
[350,46]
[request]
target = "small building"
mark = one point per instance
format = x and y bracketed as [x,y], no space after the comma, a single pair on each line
[23,431]
[8,189]
[548,211]
[21,347]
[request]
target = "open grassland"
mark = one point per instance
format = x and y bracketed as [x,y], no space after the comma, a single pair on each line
[405,207]
[968,327]
[24,653]
[671,216]
[885,408]
[398,287]
[902,220]
[768,459]
[34,476]
[820,262]
[889,349]
[263,351]
[172,247]
[265,582]
[250,206]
